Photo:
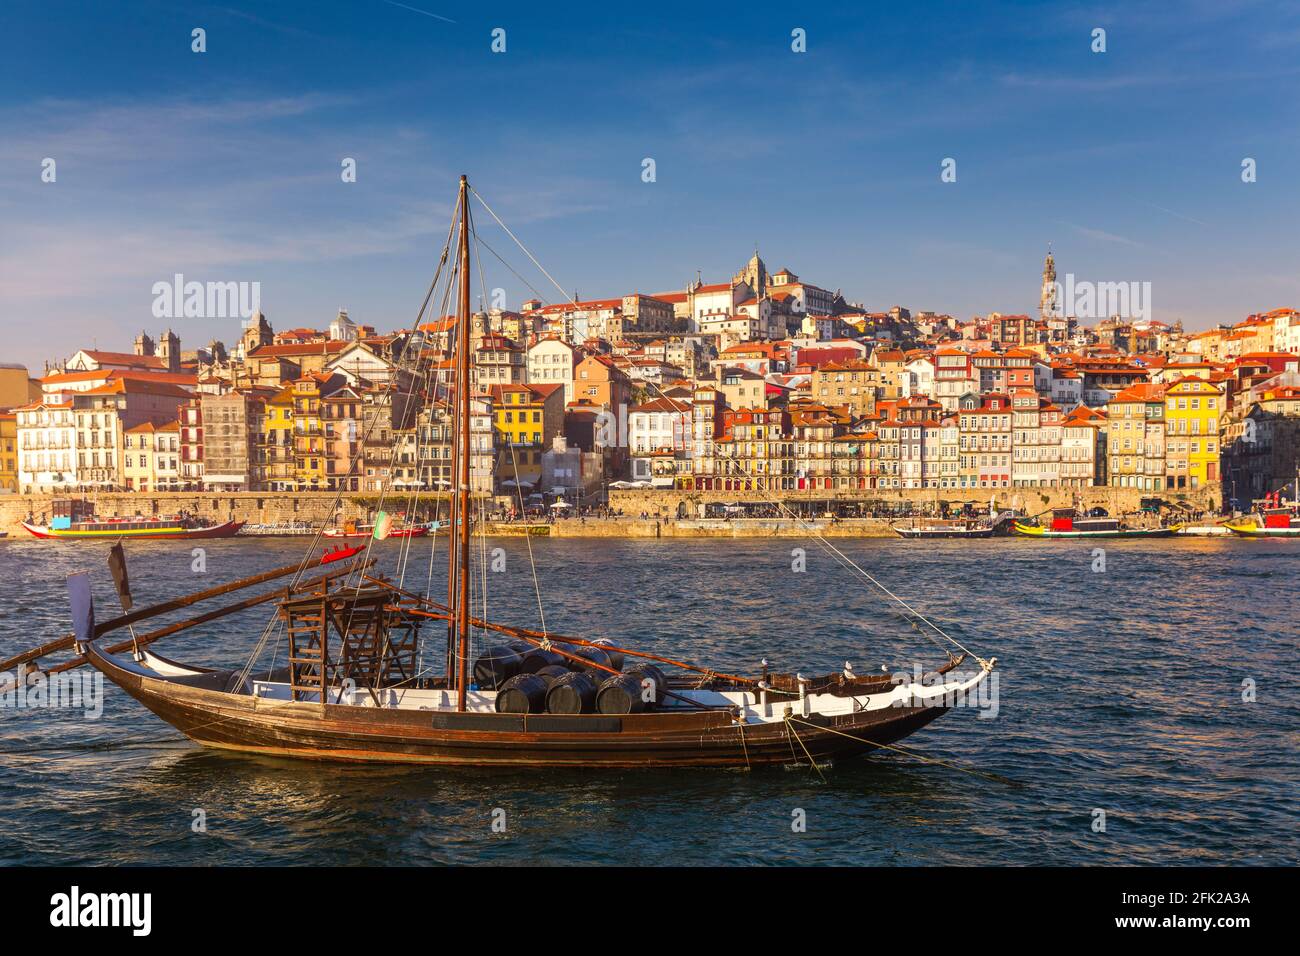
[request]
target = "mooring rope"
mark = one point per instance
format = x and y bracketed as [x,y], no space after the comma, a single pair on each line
[907,753]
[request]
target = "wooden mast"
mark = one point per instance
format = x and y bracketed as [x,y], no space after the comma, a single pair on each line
[463,459]
[453,396]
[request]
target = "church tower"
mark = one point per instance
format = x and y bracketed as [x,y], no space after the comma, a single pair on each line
[257,332]
[143,344]
[753,275]
[169,350]
[1047,304]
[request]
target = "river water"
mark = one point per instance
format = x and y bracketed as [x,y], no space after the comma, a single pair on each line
[1121,689]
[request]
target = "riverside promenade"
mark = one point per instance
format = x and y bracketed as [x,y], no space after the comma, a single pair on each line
[637,513]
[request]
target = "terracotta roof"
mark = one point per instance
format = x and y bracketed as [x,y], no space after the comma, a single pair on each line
[663,405]
[291,350]
[1141,392]
[122,386]
[150,427]
[123,358]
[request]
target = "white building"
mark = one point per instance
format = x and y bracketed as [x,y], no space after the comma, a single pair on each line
[1066,388]
[47,446]
[659,425]
[1286,331]
[343,329]
[551,362]
[360,364]
[920,377]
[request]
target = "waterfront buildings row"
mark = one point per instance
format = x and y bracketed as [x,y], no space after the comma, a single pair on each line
[764,383]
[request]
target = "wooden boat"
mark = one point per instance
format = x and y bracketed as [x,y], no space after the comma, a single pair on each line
[113,528]
[367,531]
[1066,523]
[940,529]
[1202,530]
[1270,523]
[340,553]
[353,686]
[292,529]
[725,724]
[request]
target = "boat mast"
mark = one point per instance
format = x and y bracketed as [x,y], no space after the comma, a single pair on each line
[463,457]
[452,397]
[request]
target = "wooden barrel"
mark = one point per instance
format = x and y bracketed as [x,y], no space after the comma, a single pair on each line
[536,659]
[615,657]
[522,694]
[574,693]
[551,673]
[621,694]
[642,671]
[496,666]
[593,656]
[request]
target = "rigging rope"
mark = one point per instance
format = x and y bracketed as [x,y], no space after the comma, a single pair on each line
[260,646]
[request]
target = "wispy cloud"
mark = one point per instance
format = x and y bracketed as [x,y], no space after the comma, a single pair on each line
[436,16]
[1176,215]
[1102,236]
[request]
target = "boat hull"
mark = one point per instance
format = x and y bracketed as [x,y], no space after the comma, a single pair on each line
[1032,531]
[403,533]
[919,534]
[1258,532]
[227,529]
[250,724]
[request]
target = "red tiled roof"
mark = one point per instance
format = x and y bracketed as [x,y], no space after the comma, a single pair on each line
[124,358]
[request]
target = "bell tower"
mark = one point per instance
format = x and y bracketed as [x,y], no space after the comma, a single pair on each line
[1047,304]
[169,350]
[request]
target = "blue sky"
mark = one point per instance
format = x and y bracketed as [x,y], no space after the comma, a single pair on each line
[225,165]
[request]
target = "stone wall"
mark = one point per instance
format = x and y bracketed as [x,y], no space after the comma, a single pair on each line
[634,502]
[267,507]
[254,507]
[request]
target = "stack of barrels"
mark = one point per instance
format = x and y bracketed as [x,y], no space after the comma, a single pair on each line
[531,680]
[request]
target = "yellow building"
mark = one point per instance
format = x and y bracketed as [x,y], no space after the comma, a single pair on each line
[1193,414]
[1135,439]
[277,464]
[527,417]
[309,451]
[8,452]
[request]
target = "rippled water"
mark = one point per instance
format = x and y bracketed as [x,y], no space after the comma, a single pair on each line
[1119,690]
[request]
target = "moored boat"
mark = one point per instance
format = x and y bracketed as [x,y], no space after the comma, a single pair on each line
[1202,530]
[76,518]
[1067,523]
[288,529]
[951,529]
[184,528]
[1271,523]
[368,531]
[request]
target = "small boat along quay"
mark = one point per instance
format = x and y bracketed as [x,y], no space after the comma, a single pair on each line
[630,514]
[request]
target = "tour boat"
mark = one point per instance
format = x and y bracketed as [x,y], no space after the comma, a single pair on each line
[293,529]
[1270,523]
[940,529]
[1202,530]
[351,530]
[1067,523]
[137,527]
[362,679]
